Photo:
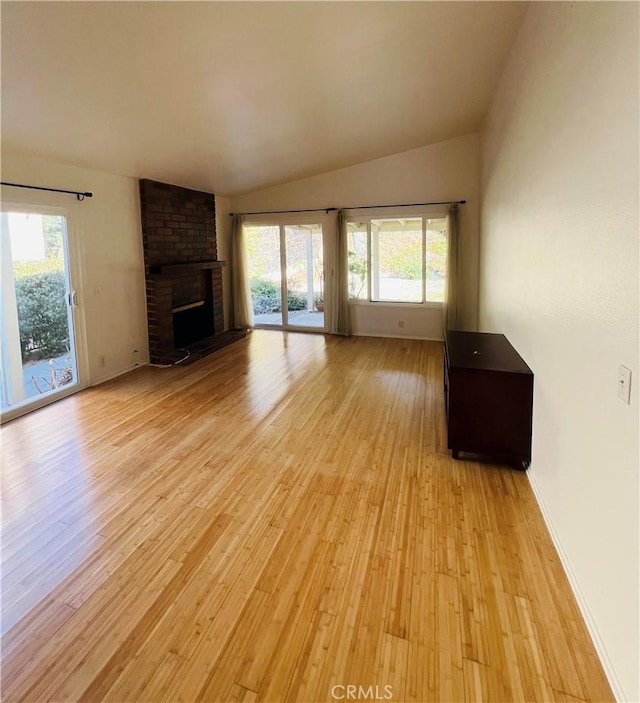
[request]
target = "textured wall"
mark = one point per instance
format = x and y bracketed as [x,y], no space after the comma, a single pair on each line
[559,276]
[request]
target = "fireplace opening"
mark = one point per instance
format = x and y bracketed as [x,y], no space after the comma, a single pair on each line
[192,323]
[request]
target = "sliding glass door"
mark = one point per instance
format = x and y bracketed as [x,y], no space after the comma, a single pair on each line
[286,275]
[38,352]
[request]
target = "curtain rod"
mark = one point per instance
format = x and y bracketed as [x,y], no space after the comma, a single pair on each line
[359,207]
[78,193]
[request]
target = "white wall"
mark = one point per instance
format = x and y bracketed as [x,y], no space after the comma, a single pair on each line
[110,240]
[559,276]
[440,172]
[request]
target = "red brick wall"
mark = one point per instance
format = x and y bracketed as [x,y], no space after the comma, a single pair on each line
[178,224]
[178,227]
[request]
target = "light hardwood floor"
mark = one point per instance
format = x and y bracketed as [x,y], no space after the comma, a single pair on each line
[272,523]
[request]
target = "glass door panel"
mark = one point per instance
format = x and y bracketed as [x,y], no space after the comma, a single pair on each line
[38,342]
[265,278]
[304,276]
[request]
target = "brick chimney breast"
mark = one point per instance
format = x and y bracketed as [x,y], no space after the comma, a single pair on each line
[183,275]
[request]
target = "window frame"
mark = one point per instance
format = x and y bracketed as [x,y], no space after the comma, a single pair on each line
[366,216]
[282,220]
[38,203]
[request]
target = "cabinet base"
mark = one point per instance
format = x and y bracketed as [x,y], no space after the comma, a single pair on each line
[518,464]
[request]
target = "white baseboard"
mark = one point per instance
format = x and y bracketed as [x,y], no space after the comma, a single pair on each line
[121,372]
[396,336]
[590,622]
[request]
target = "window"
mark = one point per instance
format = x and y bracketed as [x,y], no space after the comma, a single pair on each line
[398,259]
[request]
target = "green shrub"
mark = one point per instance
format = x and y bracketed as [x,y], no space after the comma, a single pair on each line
[42,313]
[266,298]
[357,266]
[295,302]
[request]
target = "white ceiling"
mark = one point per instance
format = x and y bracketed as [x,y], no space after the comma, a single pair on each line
[232,96]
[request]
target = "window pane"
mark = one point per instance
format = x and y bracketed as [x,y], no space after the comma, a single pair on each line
[38,351]
[305,276]
[436,259]
[357,262]
[396,260]
[263,262]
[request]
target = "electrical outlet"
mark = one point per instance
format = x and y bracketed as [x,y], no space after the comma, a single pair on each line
[102,362]
[624,384]
[401,324]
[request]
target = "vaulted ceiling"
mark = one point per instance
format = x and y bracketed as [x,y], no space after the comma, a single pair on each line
[233,96]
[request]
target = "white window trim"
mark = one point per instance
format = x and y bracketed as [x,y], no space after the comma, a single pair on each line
[319,217]
[396,303]
[405,212]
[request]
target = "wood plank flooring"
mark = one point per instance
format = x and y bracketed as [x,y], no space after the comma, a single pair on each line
[277,522]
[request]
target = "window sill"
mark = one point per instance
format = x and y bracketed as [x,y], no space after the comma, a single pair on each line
[392,304]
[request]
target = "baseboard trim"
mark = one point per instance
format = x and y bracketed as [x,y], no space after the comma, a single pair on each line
[110,377]
[590,622]
[396,336]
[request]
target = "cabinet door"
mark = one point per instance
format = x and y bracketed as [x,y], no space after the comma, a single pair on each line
[490,413]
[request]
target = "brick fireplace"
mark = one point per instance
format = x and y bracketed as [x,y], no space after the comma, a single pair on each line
[185,306]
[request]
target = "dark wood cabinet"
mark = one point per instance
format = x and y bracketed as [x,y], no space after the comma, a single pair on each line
[488,397]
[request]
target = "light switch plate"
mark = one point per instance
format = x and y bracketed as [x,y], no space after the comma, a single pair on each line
[624,384]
